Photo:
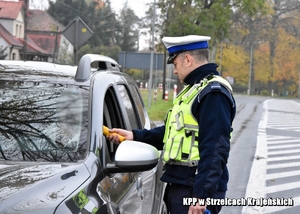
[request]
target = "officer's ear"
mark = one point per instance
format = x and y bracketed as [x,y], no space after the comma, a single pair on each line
[189,59]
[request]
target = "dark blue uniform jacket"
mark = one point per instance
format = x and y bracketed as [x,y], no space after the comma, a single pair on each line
[214,114]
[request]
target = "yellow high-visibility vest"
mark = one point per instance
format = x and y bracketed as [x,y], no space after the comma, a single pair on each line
[181,128]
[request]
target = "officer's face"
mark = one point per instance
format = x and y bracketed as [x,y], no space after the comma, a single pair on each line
[181,66]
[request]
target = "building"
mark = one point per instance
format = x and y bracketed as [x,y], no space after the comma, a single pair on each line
[46,32]
[44,38]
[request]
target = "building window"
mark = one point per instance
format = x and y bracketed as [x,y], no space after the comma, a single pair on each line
[17,30]
[20,33]
[13,56]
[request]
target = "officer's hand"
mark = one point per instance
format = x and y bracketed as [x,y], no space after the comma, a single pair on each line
[115,138]
[197,209]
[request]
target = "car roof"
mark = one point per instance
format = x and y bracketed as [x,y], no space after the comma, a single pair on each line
[37,66]
[33,71]
[51,72]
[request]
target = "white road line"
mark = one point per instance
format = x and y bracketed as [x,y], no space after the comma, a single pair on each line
[275,176]
[283,141]
[282,165]
[291,128]
[273,137]
[283,152]
[284,146]
[256,187]
[282,187]
[287,122]
[256,183]
[296,103]
[272,209]
[294,157]
[278,124]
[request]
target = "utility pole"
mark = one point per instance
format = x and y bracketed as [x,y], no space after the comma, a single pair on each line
[164,74]
[250,67]
[221,54]
[25,30]
[299,87]
[76,40]
[151,59]
[55,45]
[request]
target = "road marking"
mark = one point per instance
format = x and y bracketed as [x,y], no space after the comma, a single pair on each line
[272,141]
[277,153]
[283,146]
[292,157]
[271,210]
[255,187]
[282,175]
[284,152]
[283,165]
[282,187]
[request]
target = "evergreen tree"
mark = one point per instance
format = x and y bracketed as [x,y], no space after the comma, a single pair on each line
[64,11]
[128,37]
[109,31]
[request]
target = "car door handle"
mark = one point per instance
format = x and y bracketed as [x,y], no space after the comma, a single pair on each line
[139,187]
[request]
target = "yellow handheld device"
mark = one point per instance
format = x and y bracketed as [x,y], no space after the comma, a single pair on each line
[107,133]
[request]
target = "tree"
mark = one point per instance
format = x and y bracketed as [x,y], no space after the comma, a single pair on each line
[64,57]
[128,37]
[103,22]
[281,17]
[109,32]
[266,26]
[247,31]
[202,17]
[64,11]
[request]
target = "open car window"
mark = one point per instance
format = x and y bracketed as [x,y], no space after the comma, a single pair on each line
[112,118]
[130,107]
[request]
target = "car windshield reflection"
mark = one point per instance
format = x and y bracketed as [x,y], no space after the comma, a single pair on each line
[42,121]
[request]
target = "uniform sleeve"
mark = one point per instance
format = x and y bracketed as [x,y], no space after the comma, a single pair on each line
[153,137]
[214,117]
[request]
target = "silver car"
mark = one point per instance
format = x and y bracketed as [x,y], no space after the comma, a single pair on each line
[54,157]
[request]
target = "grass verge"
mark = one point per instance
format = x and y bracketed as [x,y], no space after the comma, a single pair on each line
[158,108]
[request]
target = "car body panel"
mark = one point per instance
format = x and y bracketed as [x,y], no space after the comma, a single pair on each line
[113,187]
[18,182]
[89,184]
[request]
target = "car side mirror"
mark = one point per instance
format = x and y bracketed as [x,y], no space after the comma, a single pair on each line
[133,156]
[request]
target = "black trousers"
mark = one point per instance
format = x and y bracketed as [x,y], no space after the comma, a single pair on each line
[175,193]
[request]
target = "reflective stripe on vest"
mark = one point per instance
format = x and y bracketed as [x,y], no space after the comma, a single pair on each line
[181,132]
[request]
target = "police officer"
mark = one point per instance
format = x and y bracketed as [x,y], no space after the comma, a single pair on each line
[196,136]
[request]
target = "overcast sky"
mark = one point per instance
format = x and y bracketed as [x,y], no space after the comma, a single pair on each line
[139,6]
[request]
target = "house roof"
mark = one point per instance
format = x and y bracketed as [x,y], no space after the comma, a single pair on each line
[33,48]
[10,39]
[10,9]
[45,41]
[39,20]
[42,29]
[39,23]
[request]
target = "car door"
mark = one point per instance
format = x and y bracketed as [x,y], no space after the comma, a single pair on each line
[145,183]
[121,191]
[152,185]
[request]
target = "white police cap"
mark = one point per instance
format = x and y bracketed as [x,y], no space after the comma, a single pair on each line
[177,45]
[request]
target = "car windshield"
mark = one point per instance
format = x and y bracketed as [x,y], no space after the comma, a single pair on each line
[42,121]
